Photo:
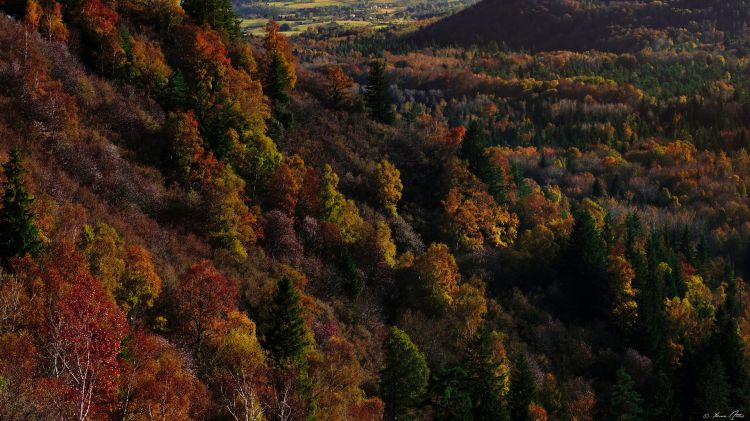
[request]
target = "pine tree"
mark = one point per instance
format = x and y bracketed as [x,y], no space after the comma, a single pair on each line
[472,147]
[177,92]
[728,344]
[712,394]
[404,377]
[521,184]
[497,185]
[19,235]
[286,338]
[626,402]
[489,376]
[217,13]
[377,98]
[277,82]
[522,390]
[277,67]
[587,264]
[452,395]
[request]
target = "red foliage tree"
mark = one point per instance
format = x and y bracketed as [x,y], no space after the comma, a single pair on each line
[158,383]
[82,333]
[203,297]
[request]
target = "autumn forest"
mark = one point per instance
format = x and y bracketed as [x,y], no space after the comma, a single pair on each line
[514,210]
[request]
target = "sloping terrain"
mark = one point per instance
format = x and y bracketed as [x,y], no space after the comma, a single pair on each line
[617,26]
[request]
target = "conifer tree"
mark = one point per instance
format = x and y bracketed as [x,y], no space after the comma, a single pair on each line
[472,147]
[626,402]
[404,377]
[277,67]
[587,263]
[177,91]
[376,94]
[286,338]
[489,374]
[522,390]
[217,13]
[712,392]
[19,236]
[727,340]
[495,178]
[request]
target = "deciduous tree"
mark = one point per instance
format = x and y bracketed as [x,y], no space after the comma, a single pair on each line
[389,186]
[438,275]
[202,296]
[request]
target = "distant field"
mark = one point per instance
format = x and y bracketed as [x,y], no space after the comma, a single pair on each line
[297,17]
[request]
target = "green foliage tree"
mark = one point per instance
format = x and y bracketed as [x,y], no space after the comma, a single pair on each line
[377,99]
[404,377]
[712,389]
[587,265]
[217,13]
[472,147]
[626,402]
[19,236]
[489,373]
[728,343]
[277,66]
[522,390]
[177,91]
[452,395]
[286,337]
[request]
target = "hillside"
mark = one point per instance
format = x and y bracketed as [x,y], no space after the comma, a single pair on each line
[200,224]
[617,26]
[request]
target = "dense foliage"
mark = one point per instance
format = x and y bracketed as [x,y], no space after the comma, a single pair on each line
[198,224]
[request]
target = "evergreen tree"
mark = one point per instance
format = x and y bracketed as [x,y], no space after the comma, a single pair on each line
[277,82]
[663,400]
[633,230]
[277,67]
[489,376]
[404,377]
[712,389]
[19,235]
[522,391]
[217,13]
[177,91]
[587,266]
[626,402]
[727,342]
[472,147]
[452,395]
[286,338]
[377,99]
[521,184]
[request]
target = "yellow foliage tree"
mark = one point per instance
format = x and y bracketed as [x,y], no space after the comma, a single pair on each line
[389,186]
[438,274]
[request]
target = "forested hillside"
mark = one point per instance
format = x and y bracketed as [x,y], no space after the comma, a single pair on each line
[582,25]
[201,225]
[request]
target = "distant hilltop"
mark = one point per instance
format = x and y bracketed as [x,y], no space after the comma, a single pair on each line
[575,25]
